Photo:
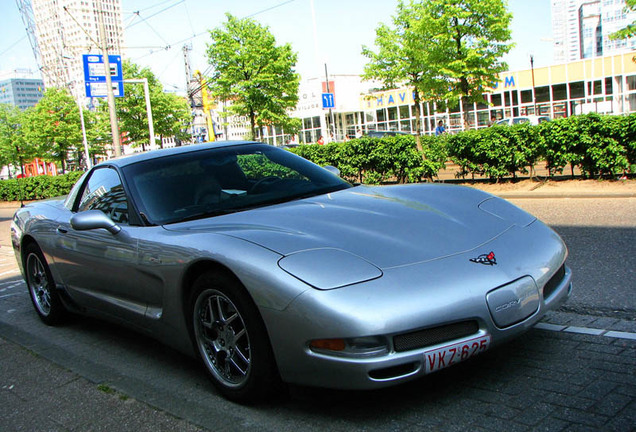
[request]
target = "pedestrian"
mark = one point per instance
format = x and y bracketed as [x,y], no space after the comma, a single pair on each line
[440,129]
[358,133]
[321,140]
[493,120]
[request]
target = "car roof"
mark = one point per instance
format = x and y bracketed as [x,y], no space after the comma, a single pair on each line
[153,154]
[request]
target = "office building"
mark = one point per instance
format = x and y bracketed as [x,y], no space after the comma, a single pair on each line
[20,88]
[581,28]
[66,29]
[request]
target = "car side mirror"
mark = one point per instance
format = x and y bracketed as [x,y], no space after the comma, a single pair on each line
[333,170]
[93,219]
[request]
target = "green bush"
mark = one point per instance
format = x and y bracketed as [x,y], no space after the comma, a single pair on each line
[39,187]
[376,160]
[599,145]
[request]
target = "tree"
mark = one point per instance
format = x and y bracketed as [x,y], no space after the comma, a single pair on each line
[171,114]
[173,117]
[14,149]
[629,30]
[53,126]
[253,73]
[446,50]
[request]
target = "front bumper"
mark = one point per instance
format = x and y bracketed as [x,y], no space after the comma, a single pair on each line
[412,299]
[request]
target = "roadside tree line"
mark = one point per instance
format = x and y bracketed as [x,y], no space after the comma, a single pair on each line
[52,131]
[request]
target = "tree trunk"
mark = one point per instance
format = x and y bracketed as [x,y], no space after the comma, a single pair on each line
[418,115]
[253,124]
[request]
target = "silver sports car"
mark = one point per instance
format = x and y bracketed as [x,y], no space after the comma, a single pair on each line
[274,270]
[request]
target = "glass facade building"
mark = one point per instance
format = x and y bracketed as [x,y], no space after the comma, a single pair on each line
[21,92]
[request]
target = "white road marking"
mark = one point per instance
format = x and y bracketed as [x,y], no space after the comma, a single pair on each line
[585,330]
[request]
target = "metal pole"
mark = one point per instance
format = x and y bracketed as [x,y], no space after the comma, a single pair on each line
[89,165]
[534,99]
[151,127]
[333,123]
[114,127]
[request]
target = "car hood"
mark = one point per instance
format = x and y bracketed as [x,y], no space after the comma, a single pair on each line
[387,226]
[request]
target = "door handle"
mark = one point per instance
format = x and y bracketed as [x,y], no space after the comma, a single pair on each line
[61,230]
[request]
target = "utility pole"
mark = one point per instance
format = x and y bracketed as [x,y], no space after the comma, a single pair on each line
[188,71]
[333,123]
[114,127]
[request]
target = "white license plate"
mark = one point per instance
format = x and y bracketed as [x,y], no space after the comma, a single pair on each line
[449,355]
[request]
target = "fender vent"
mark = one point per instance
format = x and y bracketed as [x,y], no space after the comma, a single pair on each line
[434,335]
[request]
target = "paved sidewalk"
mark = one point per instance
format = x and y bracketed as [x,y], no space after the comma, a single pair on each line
[38,395]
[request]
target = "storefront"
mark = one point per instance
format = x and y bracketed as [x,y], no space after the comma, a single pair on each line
[606,85]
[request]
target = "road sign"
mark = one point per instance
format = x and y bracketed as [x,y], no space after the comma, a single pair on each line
[94,68]
[95,77]
[328,100]
[98,89]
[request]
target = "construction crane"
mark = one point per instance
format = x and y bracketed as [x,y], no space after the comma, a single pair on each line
[207,105]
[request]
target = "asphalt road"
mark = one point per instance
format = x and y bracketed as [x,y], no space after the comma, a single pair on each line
[601,238]
[544,380]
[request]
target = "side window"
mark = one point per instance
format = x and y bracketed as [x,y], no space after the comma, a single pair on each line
[105,192]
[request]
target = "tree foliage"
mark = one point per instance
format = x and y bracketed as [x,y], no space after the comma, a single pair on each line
[171,114]
[444,49]
[629,31]
[53,126]
[254,74]
[14,149]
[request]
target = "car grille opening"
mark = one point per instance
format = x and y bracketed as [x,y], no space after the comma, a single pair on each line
[435,335]
[554,282]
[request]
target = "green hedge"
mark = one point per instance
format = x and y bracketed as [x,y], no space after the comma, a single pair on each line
[376,160]
[39,187]
[599,145]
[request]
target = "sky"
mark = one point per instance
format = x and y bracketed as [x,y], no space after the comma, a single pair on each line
[155,32]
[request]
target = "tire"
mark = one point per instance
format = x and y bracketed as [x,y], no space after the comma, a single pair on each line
[231,339]
[46,300]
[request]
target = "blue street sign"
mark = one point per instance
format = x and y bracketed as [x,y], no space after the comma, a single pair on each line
[95,77]
[94,68]
[328,100]
[98,89]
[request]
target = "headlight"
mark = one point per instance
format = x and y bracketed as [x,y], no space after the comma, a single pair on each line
[329,268]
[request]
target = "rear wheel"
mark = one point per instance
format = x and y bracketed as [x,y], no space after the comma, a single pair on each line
[231,339]
[45,298]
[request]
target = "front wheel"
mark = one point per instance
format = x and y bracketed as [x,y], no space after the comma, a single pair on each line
[231,339]
[45,298]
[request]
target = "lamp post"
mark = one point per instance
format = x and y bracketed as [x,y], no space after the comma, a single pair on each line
[534,98]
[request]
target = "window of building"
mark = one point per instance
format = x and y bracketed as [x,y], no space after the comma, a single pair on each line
[577,90]
[526,96]
[542,94]
[404,112]
[559,92]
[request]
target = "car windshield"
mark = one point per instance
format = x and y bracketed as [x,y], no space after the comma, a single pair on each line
[217,181]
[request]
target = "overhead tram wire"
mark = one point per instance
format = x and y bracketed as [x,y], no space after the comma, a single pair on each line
[270,8]
[153,6]
[156,13]
[13,44]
